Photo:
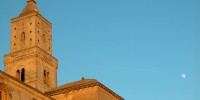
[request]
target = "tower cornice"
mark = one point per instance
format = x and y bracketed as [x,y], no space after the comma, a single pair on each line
[30,53]
[29,15]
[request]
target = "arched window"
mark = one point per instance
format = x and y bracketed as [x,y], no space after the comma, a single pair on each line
[46,76]
[44,73]
[4,92]
[18,74]
[23,36]
[23,75]
[44,40]
[23,39]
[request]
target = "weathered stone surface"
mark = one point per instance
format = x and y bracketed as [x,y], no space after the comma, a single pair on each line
[31,70]
[31,49]
[13,89]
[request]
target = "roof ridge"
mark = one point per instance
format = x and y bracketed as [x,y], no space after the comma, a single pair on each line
[79,81]
[74,83]
[80,85]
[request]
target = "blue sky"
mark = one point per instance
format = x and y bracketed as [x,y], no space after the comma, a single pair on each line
[137,48]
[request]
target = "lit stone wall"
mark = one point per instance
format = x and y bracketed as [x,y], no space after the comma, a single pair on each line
[29,31]
[15,90]
[34,61]
[104,95]
[31,50]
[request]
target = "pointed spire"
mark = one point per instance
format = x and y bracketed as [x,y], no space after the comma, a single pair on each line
[30,7]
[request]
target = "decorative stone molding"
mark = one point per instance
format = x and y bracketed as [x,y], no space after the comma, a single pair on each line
[30,53]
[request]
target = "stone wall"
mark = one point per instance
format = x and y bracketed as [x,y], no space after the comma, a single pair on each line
[13,89]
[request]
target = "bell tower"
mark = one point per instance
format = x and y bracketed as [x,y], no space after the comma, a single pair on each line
[30,59]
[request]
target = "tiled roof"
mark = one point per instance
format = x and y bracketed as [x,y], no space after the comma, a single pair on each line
[77,85]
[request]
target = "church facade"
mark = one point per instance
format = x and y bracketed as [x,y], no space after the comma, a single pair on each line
[31,70]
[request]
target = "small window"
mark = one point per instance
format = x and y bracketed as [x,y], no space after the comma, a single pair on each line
[30,39]
[22,40]
[18,74]
[15,36]
[30,31]
[23,75]
[43,38]
[15,28]
[46,76]
[14,44]
[23,36]
[30,23]
[45,73]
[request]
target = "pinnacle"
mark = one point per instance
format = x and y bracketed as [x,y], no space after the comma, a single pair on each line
[30,7]
[31,1]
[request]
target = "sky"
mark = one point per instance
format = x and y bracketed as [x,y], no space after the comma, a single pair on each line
[141,49]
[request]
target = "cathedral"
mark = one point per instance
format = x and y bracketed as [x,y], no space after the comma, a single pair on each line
[31,70]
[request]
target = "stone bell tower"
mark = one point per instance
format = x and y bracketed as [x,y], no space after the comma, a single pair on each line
[30,59]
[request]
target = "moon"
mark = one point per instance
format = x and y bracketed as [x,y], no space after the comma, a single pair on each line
[183,75]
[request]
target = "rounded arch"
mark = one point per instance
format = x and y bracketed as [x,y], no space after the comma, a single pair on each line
[23,36]
[4,92]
